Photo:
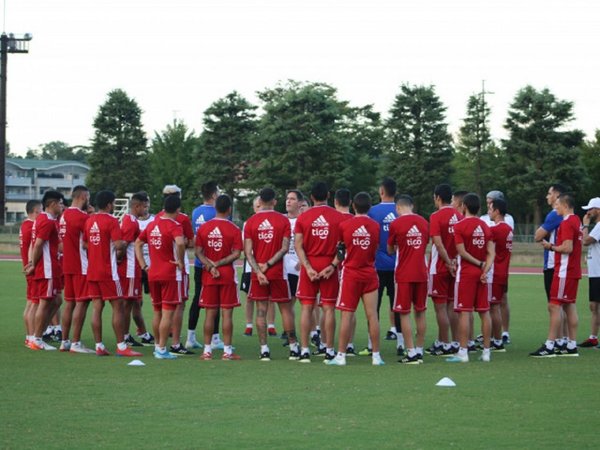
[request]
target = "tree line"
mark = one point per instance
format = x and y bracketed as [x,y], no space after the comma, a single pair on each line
[302,132]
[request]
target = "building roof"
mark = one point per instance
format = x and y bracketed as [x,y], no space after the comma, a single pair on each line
[44,164]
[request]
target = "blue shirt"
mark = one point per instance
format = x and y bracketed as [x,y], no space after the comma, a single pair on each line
[551,224]
[200,216]
[384,214]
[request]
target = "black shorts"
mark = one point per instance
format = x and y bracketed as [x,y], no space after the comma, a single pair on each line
[145,283]
[293,282]
[548,275]
[595,290]
[245,284]
[386,283]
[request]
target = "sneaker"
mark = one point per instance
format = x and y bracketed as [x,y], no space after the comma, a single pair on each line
[304,358]
[315,340]
[400,351]
[148,342]
[65,346]
[102,352]
[34,346]
[47,337]
[320,352]
[192,344]
[335,362]
[128,352]
[284,336]
[559,348]
[457,359]
[589,342]
[472,348]
[248,331]
[440,351]
[130,341]
[568,352]
[377,362]
[217,345]
[164,355]
[543,352]
[180,350]
[409,360]
[206,356]
[230,357]
[498,347]
[350,351]
[366,352]
[80,348]
[479,339]
[265,356]
[294,356]
[47,347]
[505,339]
[390,336]
[272,331]
[329,356]
[56,336]
[420,357]
[286,343]
[485,357]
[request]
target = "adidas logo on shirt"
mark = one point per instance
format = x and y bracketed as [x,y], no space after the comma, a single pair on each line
[414,237]
[361,237]
[453,221]
[200,220]
[156,237]
[320,227]
[215,239]
[387,220]
[95,234]
[478,231]
[265,231]
[478,237]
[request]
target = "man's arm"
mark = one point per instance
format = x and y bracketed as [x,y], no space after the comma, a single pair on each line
[439,245]
[298,240]
[540,234]
[180,246]
[139,253]
[460,248]
[36,254]
[587,238]
[248,251]
[565,248]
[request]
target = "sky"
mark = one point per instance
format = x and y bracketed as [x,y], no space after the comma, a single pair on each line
[176,57]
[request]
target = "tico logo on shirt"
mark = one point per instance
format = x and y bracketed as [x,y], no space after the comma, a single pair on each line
[265,231]
[95,234]
[414,238]
[156,237]
[320,227]
[215,239]
[361,238]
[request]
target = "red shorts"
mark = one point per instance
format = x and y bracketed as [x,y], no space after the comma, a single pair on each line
[76,289]
[46,289]
[408,294]
[132,288]
[307,290]
[31,292]
[166,294]
[471,294]
[277,291]
[563,290]
[352,289]
[440,288]
[498,291]
[185,286]
[104,290]
[219,296]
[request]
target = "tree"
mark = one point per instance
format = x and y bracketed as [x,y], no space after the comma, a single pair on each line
[590,160]
[540,150]
[170,162]
[118,155]
[419,151]
[225,143]
[58,150]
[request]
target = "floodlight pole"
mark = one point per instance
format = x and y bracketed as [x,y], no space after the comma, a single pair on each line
[8,44]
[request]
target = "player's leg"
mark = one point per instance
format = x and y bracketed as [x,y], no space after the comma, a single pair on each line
[329,328]
[271,320]
[208,329]
[370,305]
[306,324]
[194,311]
[138,318]
[486,329]
[286,310]
[262,307]
[118,323]
[167,317]
[79,314]
[505,313]
[496,316]
[572,320]
[97,308]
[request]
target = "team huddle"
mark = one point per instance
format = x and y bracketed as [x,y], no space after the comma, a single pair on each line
[322,256]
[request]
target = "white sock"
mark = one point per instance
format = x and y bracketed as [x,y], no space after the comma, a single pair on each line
[161,349]
[400,339]
[99,346]
[126,336]
[376,355]
[207,348]
[571,344]
[191,335]
[216,337]
[455,344]
[505,333]
[264,348]
[58,328]
[350,345]
[330,351]
[122,346]
[593,336]
[305,350]
[271,325]
[412,353]
[228,350]
[463,352]
[294,347]
[313,334]
[419,351]
[340,356]
[249,325]
[550,344]
[49,329]
[486,351]
[370,344]
[393,330]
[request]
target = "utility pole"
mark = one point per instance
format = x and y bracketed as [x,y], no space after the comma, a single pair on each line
[480,134]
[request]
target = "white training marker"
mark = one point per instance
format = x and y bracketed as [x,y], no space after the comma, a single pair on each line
[136,362]
[446,382]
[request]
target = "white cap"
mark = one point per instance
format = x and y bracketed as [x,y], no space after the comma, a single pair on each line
[593,203]
[171,189]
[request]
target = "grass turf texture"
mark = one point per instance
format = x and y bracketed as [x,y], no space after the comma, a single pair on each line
[59,400]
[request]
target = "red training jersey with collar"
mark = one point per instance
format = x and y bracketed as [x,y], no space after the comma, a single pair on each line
[218,239]
[101,232]
[569,266]
[266,230]
[130,230]
[25,233]
[319,227]
[474,234]
[72,231]
[160,235]
[45,228]
[502,236]
[360,235]
[410,234]
[441,223]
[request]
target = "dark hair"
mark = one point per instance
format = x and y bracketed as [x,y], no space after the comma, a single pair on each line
[78,190]
[31,205]
[299,195]
[389,186]
[404,200]
[223,203]
[267,195]
[343,197]
[51,196]
[444,192]
[471,202]
[141,197]
[172,202]
[560,188]
[209,189]
[568,199]
[459,194]
[104,198]
[500,206]
[362,203]
[320,191]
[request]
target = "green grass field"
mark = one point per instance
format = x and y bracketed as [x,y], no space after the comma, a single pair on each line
[57,400]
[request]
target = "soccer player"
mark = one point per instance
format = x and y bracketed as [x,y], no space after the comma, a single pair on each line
[489,198]
[105,246]
[44,265]
[502,235]
[200,215]
[266,240]
[166,247]
[75,268]
[442,269]
[408,237]
[245,284]
[316,236]
[188,233]
[218,246]
[475,250]
[385,213]
[567,273]
[457,200]
[591,239]
[33,208]
[360,236]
